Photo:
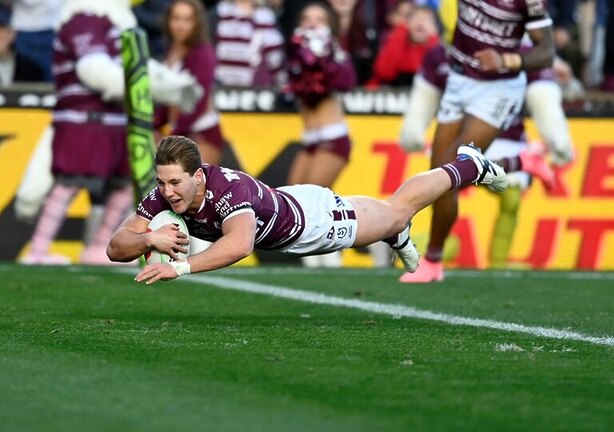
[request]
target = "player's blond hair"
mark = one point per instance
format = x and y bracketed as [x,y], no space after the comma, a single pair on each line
[179,150]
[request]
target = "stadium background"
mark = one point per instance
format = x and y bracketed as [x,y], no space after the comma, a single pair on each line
[569,228]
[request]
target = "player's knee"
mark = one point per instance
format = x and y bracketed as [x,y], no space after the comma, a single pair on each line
[399,221]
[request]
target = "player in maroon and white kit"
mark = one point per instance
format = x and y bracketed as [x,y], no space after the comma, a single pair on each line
[239,213]
[484,92]
[544,102]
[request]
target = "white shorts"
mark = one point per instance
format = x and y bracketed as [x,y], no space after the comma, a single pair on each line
[502,148]
[496,102]
[330,221]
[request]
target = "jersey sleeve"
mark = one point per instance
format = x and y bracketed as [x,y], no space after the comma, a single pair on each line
[233,195]
[151,205]
[536,14]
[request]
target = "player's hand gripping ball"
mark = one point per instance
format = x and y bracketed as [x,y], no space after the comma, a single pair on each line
[164,218]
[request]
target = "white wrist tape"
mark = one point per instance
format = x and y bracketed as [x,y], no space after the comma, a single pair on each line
[181,267]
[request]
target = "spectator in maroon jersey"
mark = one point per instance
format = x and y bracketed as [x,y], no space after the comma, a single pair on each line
[188,48]
[403,51]
[249,47]
[484,92]
[237,213]
[318,69]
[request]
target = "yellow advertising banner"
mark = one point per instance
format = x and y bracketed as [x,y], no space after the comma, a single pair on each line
[571,227]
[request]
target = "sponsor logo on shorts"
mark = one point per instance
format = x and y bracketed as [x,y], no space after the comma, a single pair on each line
[338,201]
[342,232]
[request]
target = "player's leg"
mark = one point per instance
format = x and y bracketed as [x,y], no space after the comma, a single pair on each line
[300,167]
[49,223]
[505,225]
[210,144]
[209,153]
[476,111]
[119,199]
[388,220]
[509,200]
[326,166]
[445,208]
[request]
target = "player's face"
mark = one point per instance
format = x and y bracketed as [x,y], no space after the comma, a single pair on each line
[181,22]
[313,17]
[180,189]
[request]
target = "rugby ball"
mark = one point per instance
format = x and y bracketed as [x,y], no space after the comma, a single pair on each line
[165,217]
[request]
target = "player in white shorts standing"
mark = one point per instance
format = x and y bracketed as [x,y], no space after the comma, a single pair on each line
[544,102]
[485,91]
[238,213]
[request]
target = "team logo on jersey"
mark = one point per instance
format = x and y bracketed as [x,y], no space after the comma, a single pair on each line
[208,194]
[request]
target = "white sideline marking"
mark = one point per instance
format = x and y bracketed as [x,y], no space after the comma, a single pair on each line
[467,274]
[393,310]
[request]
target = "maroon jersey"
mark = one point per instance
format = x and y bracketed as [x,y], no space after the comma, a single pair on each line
[84,34]
[279,218]
[497,24]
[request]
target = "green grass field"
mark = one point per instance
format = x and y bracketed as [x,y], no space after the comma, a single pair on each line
[259,349]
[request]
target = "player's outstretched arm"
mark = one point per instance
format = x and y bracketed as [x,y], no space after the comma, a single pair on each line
[236,243]
[132,239]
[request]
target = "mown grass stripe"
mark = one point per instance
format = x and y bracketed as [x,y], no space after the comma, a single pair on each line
[394,310]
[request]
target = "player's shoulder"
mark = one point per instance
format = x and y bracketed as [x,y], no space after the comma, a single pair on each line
[152,204]
[221,178]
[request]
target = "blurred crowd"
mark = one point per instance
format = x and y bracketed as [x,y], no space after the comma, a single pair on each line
[385,39]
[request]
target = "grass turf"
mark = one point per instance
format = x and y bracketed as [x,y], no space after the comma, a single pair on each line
[88,349]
